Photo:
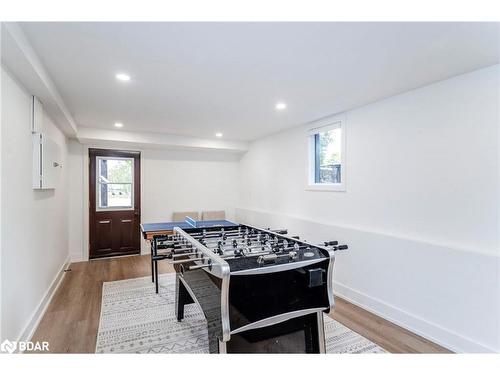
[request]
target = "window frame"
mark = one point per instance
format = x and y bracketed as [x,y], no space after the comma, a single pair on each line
[320,127]
[98,207]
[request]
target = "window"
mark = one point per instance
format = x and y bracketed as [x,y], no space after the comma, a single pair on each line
[326,156]
[115,183]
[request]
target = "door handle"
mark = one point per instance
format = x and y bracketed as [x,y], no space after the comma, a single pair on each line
[126,221]
[104,221]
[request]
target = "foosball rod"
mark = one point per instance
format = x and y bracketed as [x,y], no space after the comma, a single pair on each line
[245,244]
[244,238]
[238,240]
[238,231]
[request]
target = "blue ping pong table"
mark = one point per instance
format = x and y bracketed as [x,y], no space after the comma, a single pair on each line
[152,229]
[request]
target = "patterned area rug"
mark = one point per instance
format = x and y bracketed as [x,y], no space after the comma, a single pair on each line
[134,319]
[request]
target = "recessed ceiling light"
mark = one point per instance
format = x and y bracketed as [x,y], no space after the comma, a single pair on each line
[218,135]
[280,106]
[118,125]
[122,77]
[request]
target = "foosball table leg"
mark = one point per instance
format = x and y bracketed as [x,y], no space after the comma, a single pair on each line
[180,292]
[182,298]
[222,347]
[321,333]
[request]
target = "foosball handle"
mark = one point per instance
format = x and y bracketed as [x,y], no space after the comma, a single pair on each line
[340,247]
[279,231]
[331,243]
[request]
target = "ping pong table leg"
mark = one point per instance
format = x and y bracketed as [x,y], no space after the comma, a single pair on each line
[156,276]
[152,263]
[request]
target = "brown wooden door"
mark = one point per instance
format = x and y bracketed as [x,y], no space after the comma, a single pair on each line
[114,202]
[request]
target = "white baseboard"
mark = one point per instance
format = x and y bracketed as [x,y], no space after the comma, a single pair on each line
[440,335]
[37,315]
[77,258]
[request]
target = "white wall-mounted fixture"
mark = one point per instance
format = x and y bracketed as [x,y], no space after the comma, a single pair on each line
[36,115]
[47,163]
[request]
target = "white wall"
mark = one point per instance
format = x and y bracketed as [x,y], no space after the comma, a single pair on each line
[34,231]
[76,202]
[187,180]
[171,180]
[420,212]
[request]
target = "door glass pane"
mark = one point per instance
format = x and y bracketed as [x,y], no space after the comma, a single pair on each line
[115,195]
[115,170]
[115,183]
[328,157]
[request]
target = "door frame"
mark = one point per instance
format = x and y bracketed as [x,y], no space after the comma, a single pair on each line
[90,193]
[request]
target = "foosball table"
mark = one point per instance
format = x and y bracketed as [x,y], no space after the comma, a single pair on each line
[259,289]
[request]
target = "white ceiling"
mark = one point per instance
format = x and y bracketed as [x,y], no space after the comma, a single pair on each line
[196,79]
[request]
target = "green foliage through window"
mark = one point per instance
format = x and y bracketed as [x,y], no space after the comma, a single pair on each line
[328,156]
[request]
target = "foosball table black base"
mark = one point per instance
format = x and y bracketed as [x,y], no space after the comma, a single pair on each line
[302,334]
[298,335]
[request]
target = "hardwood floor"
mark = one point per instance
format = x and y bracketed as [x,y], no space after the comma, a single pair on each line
[72,318]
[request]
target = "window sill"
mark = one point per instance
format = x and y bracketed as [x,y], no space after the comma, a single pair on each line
[326,187]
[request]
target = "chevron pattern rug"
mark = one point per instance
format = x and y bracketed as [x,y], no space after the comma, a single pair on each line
[134,319]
